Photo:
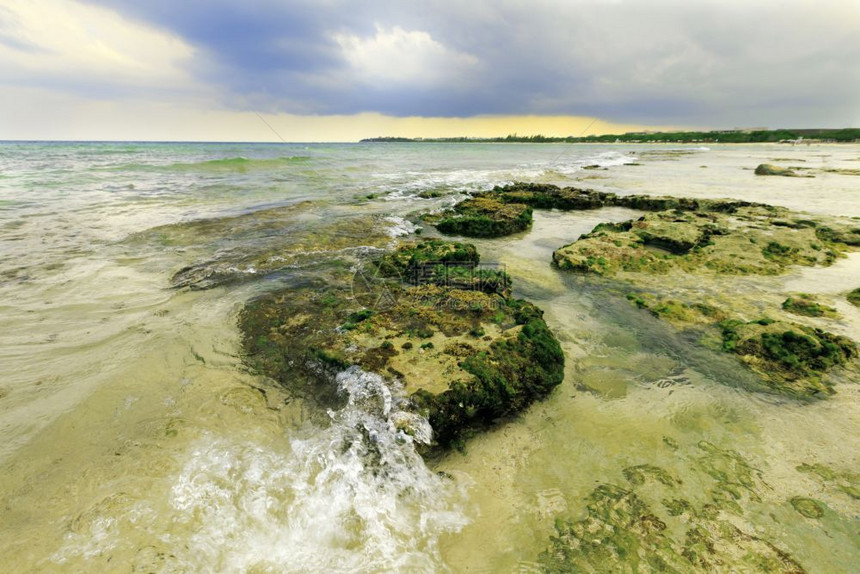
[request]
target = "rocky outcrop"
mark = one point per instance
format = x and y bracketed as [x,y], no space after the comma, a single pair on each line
[483,217]
[507,209]
[464,353]
[744,241]
[770,169]
[806,305]
[791,357]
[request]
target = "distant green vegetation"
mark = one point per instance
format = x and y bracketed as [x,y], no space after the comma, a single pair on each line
[719,136]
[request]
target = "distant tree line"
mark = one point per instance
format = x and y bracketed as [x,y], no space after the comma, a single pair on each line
[723,136]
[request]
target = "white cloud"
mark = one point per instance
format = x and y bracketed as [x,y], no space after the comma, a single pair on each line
[45,42]
[395,56]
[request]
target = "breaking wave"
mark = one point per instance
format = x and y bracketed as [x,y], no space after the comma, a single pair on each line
[353,497]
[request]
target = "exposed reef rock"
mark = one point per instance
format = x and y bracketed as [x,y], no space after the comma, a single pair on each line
[806,305]
[749,240]
[546,196]
[770,169]
[720,238]
[464,353]
[694,236]
[791,357]
[483,217]
[443,263]
[505,209]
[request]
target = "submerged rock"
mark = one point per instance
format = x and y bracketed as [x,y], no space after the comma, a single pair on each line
[653,527]
[807,507]
[839,482]
[464,355]
[246,247]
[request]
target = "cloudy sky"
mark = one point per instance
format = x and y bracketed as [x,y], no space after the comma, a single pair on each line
[342,70]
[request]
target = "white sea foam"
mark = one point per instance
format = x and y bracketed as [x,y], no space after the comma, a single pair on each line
[407,185]
[352,497]
[400,227]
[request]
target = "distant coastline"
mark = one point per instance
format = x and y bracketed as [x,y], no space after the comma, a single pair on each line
[845,135]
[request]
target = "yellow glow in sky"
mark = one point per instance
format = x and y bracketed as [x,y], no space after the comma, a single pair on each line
[43,115]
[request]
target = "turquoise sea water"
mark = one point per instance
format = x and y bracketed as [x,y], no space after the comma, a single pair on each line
[132,436]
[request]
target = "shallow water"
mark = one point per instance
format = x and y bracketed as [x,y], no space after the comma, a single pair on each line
[133,437]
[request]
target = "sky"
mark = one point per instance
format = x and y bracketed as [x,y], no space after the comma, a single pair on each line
[341,70]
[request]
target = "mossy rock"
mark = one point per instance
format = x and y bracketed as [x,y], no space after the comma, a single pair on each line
[464,357]
[411,254]
[847,235]
[444,263]
[547,196]
[806,306]
[740,240]
[854,297]
[791,358]
[770,169]
[483,217]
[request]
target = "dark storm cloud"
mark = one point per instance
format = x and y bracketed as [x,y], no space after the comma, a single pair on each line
[659,61]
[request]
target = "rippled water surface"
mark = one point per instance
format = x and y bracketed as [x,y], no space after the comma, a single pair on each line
[132,438]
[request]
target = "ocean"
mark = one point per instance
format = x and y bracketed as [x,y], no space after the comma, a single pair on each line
[133,437]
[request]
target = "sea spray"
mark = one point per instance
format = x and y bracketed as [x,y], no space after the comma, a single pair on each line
[355,496]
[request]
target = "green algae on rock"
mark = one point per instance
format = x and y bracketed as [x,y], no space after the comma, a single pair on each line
[804,304]
[720,238]
[791,358]
[843,482]
[483,216]
[547,196]
[443,263]
[807,507]
[854,297]
[654,528]
[464,357]
[742,242]
[770,169]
